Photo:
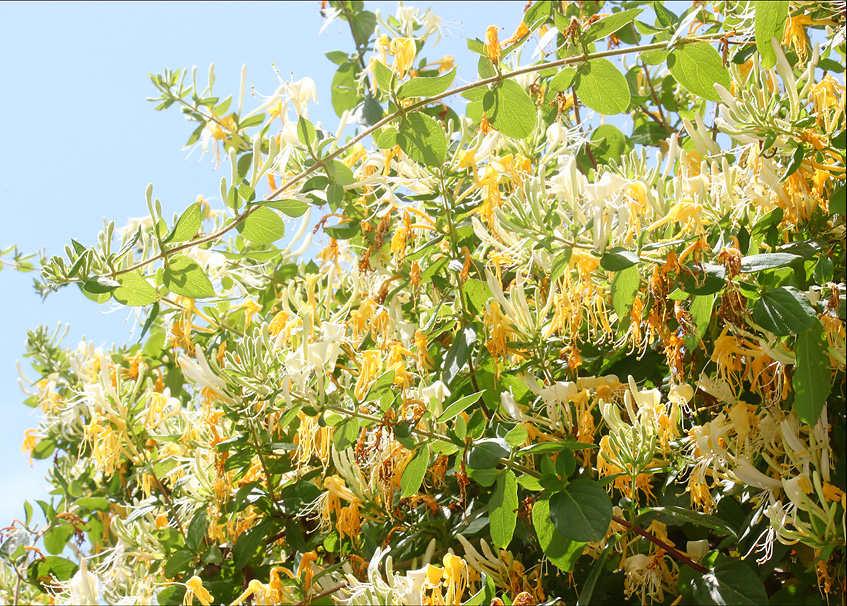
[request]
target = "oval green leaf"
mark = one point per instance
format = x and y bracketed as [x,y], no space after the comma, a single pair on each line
[510,110]
[609,25]
[784,311]
[769,23]
[262,226]
[414,472]
[731,581]
[503,510]
[427,87]
[186,226]
[185,277]
[582,511]
[134,290]
[698,67]
[292,208]
[812,377]
[423,139]
[559,549]
[602,87]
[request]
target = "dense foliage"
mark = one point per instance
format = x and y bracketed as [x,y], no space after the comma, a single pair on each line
[535,351]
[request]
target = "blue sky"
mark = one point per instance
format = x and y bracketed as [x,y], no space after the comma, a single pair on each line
[82,143]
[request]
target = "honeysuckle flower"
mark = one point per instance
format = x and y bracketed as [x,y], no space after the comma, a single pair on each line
[194,589]
[404,51]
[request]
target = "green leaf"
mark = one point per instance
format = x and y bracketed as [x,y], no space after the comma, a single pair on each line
[769,23]
[100,285]
[694,517]
[458,406]
[838,201]
[812,378]
[171,596]
[413,474]
[796,160]
[654,57]
[559,549]
[185,277]
[609,25]
[344,91]
[731,581]
[563,80]
[306,132]
[701,314]
[42,572]
[460,352]
[503,510]
[558,446]
[582,511]
[510,110]
[784,311]
[262,226]
[134,290]
[178,563]
[560,264]
[754,263]
[587,589]
[625,286]
[248,542]
[387,138]
[343,231]
[516,436]
[383,76]
[618,258]
[536,15]
[698,67]
[291,208]
[486,454]
[423,139]
[602,87]
[93,503]
[56,538]
[427,87]
[608,143]
[196,530]
[186,226]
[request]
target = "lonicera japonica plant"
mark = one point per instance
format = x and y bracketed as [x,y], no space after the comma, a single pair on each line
[579,320]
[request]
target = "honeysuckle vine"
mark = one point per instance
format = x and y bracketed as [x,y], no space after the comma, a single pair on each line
[588,325]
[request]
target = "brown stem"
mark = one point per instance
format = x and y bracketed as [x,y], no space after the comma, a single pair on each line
[656,541]
[655,97]
[322,594]
[423,103]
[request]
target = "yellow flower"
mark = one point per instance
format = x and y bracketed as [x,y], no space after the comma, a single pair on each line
[446,64]
[194,588]
[31,437]
[492,44]
[795,35]
[833,493]
[522,31]
[404,51]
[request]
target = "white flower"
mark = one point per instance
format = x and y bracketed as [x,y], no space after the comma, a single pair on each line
[84,587]
[507,401]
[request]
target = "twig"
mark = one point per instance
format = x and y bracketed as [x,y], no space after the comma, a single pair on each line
[656,541]
[322,594]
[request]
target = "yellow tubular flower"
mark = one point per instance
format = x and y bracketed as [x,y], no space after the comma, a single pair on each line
[194,588]
[795,35]
[31,437]
[492,44]
[522,31]
[404,51]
